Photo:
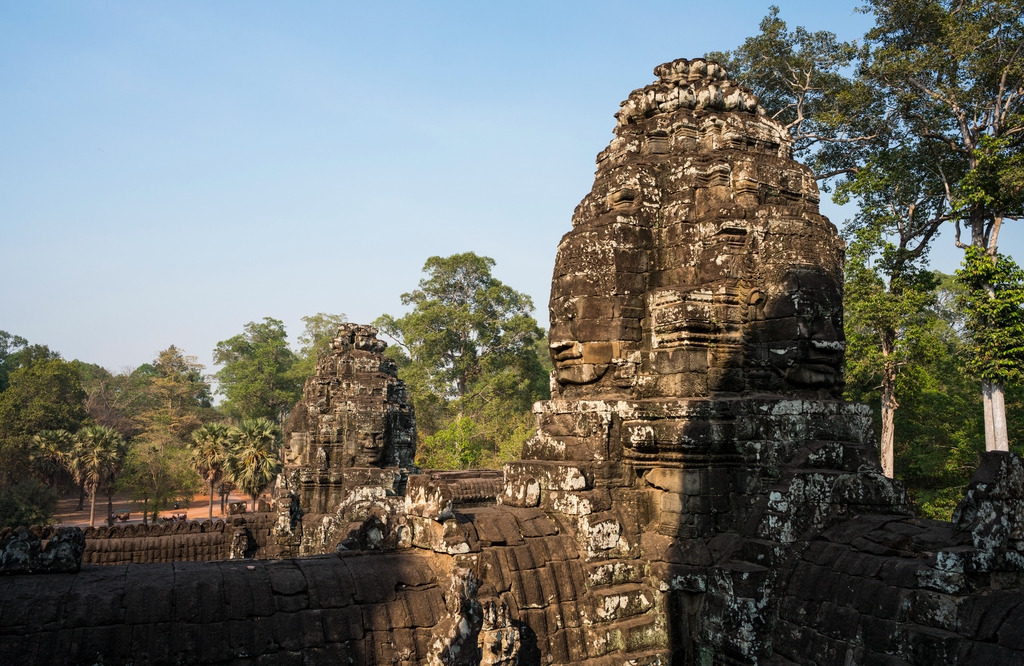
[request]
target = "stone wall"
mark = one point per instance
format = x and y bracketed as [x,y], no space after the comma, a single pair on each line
[318,610]
[191,541]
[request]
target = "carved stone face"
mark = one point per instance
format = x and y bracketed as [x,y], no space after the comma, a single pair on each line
[797,330]
[699,263]
[369,448]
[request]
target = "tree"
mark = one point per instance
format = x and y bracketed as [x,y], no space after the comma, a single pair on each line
[802,81]
[209,453]
[27,503]
[119,401]
[253,461]
[468,349]
[993,300]
[50,455]
[887,304]
[180,380]
[927,123]
[953,75]
[96,460]
[157,473]
[889,292]
[44,395]
[256,379]
[462,319]
[9,346]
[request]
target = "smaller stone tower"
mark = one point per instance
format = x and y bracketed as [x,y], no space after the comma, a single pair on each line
[354,426]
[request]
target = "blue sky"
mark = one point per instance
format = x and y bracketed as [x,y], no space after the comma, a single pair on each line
[171,171]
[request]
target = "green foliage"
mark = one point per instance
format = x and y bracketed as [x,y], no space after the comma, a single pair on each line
[9,346]
[463,322]
[27,503]
[158,473]
[996,183]
[953,76]
[802,81]
[257,379]
[254,461]
[887,311]
[179,379]
[923,123]
[209,451]
[50,455]
[469,352]
[451,447]
[44,395]
[993,302]
[939,426]
[96,460]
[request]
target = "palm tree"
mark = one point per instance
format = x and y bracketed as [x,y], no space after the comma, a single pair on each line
[95,458]
[49,455]
[114,470]
[254,462]
[209,453]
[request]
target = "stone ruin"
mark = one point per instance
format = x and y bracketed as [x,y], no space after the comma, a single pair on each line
[697,491]
[350,444]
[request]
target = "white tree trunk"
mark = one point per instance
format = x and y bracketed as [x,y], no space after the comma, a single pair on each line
[996,438]
[889,406]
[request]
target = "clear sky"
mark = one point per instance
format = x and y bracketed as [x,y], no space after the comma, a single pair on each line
[170,171]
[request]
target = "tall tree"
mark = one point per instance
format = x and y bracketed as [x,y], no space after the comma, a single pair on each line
[180,379]
[96,460]
[889,291]
[254,460]
[158,472]
[256,379]
[993,300]
[887,305]
[44,395]
[209,453]
[10,344]
[803,81]
[467,350]
[953,72]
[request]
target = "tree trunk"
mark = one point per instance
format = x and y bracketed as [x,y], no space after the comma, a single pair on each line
[110,507]
[81,496]
[145,511]
[211,499]
[889,406]
[996,438]
[92,507]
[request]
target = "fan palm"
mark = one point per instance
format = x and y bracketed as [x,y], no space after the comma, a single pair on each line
[95,460]
[49,454]
[209,453]
[254,461]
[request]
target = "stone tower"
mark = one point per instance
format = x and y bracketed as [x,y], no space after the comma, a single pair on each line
[354,426]
[695,430]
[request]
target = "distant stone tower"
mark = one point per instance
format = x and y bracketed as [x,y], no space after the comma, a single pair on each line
[353,427]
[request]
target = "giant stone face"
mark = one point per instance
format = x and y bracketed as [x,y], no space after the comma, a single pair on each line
[698,264]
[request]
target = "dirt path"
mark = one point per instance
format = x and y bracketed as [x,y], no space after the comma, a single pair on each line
[197,510]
